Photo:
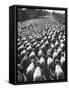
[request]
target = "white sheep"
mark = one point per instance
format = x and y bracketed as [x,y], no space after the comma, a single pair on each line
[18,39]
[43,46]
[37,75]
[59,50]
[32,54]
[28,44]
[45,38]
[46,42]
[33,40]
[56,43]
[38,45]
[59,72]
[40,52]
[22,46]
[59,37]
[55,55]
[50,62]
[23,52]
[29,48]
[34,43]
[52,45]
[19,43]
[62,60]
[61,40]
[30,68]
[42,61]
[41,42]
[25,42]
[61,45]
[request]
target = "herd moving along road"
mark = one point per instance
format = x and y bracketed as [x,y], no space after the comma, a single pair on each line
[41,52]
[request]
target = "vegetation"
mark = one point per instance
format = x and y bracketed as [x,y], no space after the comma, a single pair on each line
[59,17]
[30,14]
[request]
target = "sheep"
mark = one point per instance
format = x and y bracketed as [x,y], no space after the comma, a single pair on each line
[37,46]
[62,60]
[40,53]
[18,39]
[49,52]
[20,77]
[32,54]
[53,40]
[42,61]
[52,45]
[59,72]
[55,54]
[22,46]
[37,75]
[53,36]
[43,46]
[25,42]
[28,44]
[30,37]
[19,43]
[33,40]
[20,50]
[31,67]
[46,42]
[56,43]
[45,38]
[61,40]
[35,43]
[59,49]
[42,64]
[23,52]
[63,36]
[60,33]
[61,45]
[24,61]
[38,38]
[30,71]
[50,63]
[29,48]
[59,37]
[23,39]
[41,41]
[19,66]
[49,37]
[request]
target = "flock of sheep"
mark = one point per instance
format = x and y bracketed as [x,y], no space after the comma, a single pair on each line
[41,52]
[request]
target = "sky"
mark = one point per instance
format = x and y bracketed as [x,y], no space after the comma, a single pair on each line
[56,11]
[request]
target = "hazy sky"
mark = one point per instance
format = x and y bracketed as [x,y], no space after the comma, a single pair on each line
[57,11]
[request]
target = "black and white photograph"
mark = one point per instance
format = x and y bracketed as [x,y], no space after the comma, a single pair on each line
[41,45]
[34,45]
